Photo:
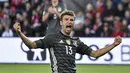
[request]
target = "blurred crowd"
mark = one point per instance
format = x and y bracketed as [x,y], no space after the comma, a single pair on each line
[105,18]
[27,12]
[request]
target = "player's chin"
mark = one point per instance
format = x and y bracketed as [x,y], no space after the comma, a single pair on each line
[68,31]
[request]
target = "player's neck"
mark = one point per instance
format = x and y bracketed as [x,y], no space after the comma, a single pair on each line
[66,34]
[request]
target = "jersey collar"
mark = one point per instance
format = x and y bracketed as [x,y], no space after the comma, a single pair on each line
[64,35]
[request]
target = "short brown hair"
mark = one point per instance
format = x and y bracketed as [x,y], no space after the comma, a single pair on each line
[67,12]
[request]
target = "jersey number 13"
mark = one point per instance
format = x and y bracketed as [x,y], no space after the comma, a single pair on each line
[69,50]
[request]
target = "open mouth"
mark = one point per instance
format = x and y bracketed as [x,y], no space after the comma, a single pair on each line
[68,27]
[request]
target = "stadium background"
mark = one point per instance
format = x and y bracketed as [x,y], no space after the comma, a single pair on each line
[94,19]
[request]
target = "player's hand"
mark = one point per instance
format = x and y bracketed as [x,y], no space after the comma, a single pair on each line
[117,40]
[17,27]
[52,10]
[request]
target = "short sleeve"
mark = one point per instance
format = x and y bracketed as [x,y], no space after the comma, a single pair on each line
[45,42]
[40,43]
[45,10]
[61,7]
[83,48]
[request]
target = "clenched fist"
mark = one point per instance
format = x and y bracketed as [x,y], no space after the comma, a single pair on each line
[117,40]
[51,10]
[17,27]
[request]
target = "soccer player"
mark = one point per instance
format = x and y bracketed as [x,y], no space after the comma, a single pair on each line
[51,16]
[62,47]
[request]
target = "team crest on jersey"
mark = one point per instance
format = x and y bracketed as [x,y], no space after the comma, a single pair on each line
[59,9]
[68,42]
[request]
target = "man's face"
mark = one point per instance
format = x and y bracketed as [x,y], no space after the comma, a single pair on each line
[54,2]
[67,24]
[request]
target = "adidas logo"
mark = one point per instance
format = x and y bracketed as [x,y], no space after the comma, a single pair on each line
[61,41]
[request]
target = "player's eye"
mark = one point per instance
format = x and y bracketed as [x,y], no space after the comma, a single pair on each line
[71,19]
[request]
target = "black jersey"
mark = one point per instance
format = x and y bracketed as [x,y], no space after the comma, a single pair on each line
[53,21]
[62,51]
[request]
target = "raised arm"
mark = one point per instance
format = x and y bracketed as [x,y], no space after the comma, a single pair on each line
[53,10]
[27,42]
[45,16]
[59,9]
[106,49]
